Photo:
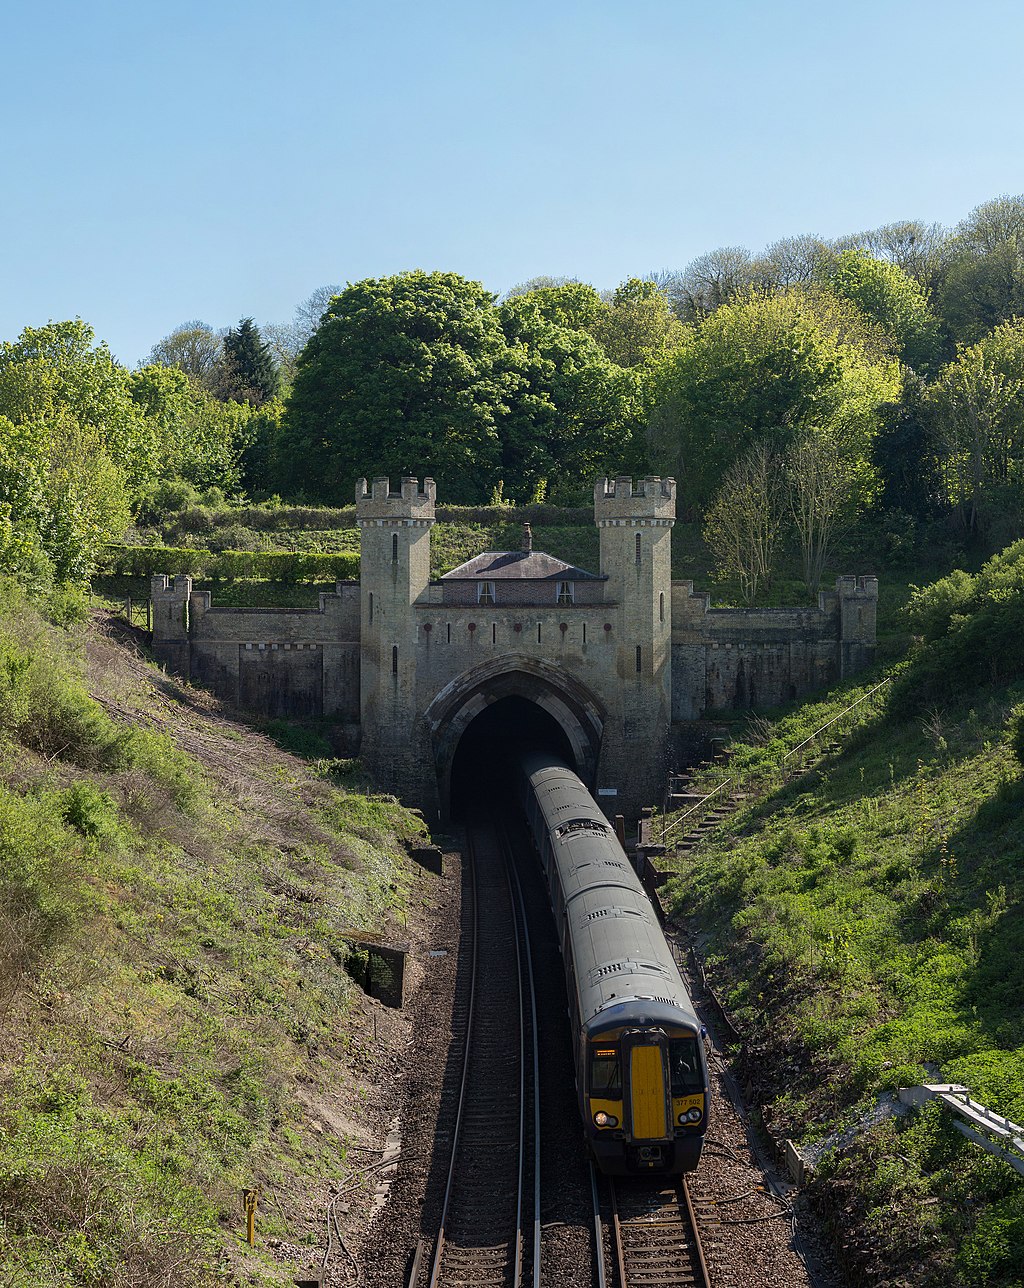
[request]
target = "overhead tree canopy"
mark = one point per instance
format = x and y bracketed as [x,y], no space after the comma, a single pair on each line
[762,369]
[403,374]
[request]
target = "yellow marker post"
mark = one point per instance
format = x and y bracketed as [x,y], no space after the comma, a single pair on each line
[250,1197]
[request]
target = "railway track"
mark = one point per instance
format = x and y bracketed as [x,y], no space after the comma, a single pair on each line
[652,1237]
[480,1237]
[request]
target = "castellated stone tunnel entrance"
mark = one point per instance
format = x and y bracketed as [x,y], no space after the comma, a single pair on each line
[482,721]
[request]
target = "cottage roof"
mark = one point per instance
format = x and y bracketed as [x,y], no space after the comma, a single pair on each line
[518,565]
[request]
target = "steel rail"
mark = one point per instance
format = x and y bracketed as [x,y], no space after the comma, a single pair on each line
[435,1267]
[439,1274]
[682,1214]
[598,1230]
[536,1060]
[517,1274]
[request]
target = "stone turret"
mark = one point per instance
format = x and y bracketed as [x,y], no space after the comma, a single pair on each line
[394,562]
[635,520]
[171,644]
[858,621]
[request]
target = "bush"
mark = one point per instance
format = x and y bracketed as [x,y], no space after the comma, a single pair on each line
[931,609]
[230,565]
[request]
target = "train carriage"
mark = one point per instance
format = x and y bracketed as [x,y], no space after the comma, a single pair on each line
[641,1072]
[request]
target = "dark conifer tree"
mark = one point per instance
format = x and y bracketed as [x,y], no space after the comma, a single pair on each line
[248,371]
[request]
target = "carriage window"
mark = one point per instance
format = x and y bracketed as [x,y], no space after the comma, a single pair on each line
[684,1066]
[605,1073]
[565,592]
[485,592]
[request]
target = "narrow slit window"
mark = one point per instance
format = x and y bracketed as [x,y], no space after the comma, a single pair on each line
[394,659]
[538,632]
[394,549]
[661,605]
[485,593]
[638,547]
[639,659]
[449,632]
[565,589]
[494,632]
[584,632]
[371,607]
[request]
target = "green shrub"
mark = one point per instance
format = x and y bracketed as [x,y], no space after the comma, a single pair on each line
[930,609]
[230,565]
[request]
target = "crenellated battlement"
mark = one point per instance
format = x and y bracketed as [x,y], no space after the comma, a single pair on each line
[647,500]
[376,503]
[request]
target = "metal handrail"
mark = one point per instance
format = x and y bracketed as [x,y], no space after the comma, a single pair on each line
[666,832]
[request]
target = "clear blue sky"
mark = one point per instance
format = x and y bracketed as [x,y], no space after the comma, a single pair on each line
[214,159]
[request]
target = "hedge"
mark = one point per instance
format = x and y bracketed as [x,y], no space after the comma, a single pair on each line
[229,565]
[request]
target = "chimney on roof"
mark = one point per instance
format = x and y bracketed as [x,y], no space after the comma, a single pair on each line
[527,538]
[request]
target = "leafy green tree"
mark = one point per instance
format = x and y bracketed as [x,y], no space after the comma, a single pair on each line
[763,369]
[637,326]
[976,407]
[891,297]
[574,414]
[982,290]
[57,371]
[200,438]
[403,374]
[246,371]
[573,305]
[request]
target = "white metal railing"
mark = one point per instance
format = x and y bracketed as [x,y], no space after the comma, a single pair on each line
[986,1128]
[668,831]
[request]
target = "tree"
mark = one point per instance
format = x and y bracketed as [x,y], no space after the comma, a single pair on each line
[309,314]
[710,281]
[403,374]
[744,521]
[540,283]
[638,325]
[193,347]
[980,291]
[246,371]
[976,406]
[921,250]
[891,297]
[822,498]
[574,413]
[200,439]
[791,261]
[761,369]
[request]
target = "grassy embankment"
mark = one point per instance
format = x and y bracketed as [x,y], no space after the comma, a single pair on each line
[174,897]
[865,921]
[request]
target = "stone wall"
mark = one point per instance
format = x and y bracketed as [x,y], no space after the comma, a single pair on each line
[404,664]
[737,658]
[293,662]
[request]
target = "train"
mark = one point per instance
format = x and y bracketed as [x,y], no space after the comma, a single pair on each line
[638,1045]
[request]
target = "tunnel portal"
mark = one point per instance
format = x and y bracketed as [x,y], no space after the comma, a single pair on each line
[490,743]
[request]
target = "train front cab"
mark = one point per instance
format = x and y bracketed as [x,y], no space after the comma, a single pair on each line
[646,1099]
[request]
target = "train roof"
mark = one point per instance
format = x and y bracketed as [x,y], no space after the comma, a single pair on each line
[620,957]
[625,972]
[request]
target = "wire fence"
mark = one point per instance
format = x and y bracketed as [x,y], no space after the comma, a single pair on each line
[792,762]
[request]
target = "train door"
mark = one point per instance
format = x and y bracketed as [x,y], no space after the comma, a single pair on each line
[648,1090]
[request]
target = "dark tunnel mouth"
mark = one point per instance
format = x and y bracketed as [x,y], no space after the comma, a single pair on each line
[489,746]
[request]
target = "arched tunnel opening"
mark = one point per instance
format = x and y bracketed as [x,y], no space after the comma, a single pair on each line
[489,745]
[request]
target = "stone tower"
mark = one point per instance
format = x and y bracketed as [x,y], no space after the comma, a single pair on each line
[635,522]
[394,561]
